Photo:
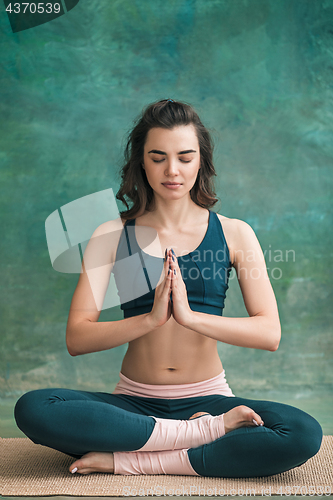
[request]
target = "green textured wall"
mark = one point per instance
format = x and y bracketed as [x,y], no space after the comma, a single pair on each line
[260,74]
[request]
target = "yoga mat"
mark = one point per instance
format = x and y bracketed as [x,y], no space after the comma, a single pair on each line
[28,469]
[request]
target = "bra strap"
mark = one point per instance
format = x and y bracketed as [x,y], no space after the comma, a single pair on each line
[134,248]
[130,237]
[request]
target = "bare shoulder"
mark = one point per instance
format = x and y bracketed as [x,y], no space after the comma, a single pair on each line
[236,231]
[109,227]
[103,243]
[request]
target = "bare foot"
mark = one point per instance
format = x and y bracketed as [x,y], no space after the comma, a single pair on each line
[240,416]
[93,462]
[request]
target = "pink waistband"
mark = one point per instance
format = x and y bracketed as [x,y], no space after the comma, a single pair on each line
[215,385]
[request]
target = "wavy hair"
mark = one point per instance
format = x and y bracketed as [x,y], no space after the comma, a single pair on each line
[134,185]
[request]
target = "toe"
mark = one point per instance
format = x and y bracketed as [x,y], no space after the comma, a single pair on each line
[78,465]
[73,468]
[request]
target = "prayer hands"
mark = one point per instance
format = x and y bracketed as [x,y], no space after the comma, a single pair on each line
[172,282]
[162,306]
[181,310]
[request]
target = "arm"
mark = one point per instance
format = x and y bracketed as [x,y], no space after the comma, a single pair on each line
[262,329]
[83,333]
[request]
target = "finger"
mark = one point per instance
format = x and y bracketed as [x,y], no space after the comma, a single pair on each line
[165,289]
[169,263]
[166,262]
[171,269]
[167,270]
[257,420]
[164,279]
[175,265]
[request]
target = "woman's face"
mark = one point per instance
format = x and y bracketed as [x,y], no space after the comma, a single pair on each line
[172,160]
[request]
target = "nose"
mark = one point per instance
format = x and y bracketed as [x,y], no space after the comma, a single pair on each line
[171,168]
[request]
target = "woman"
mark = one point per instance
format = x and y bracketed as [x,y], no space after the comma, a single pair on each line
[172,411]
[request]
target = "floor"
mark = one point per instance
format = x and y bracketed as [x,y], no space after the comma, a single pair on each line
[319,406]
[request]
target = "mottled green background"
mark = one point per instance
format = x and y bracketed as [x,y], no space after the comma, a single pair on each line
[260,74]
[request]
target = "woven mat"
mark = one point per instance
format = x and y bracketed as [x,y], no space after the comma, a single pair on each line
[28,469]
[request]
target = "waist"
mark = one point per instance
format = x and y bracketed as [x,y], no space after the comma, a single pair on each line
[215,385]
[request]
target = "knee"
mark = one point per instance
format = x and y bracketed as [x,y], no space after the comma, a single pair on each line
[310,435]
[301,433]
[316,437]
[27,409]
[23,408]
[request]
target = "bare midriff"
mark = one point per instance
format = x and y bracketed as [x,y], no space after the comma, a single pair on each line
[172,354]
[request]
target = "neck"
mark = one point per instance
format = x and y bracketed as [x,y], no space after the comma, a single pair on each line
[176,213]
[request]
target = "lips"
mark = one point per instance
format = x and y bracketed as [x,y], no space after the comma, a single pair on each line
[171,185]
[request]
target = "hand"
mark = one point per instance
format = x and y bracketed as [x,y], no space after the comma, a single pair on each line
[180,307]
[162,307]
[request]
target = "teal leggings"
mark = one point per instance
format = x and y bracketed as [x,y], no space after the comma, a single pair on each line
[77,422]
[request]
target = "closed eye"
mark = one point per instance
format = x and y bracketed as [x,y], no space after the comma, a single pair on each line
[180,159]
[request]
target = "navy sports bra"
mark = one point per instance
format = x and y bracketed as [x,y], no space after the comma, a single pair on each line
[205,272]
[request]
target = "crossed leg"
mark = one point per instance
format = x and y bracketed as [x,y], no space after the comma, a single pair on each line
[76,422]
[240,416]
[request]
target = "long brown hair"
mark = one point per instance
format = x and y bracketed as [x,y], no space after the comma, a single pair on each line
[134,186]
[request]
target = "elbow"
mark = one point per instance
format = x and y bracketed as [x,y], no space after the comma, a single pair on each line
[70,349]
[70,344]
[76,346]
[72,353]
[274,347]
[275,341]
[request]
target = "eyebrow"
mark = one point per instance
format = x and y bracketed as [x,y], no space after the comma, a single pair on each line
[156,151]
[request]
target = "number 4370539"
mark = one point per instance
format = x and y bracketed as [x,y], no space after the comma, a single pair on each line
[33,8]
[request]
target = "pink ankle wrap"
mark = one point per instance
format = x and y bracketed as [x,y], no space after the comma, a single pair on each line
[169,434]
[174,462]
